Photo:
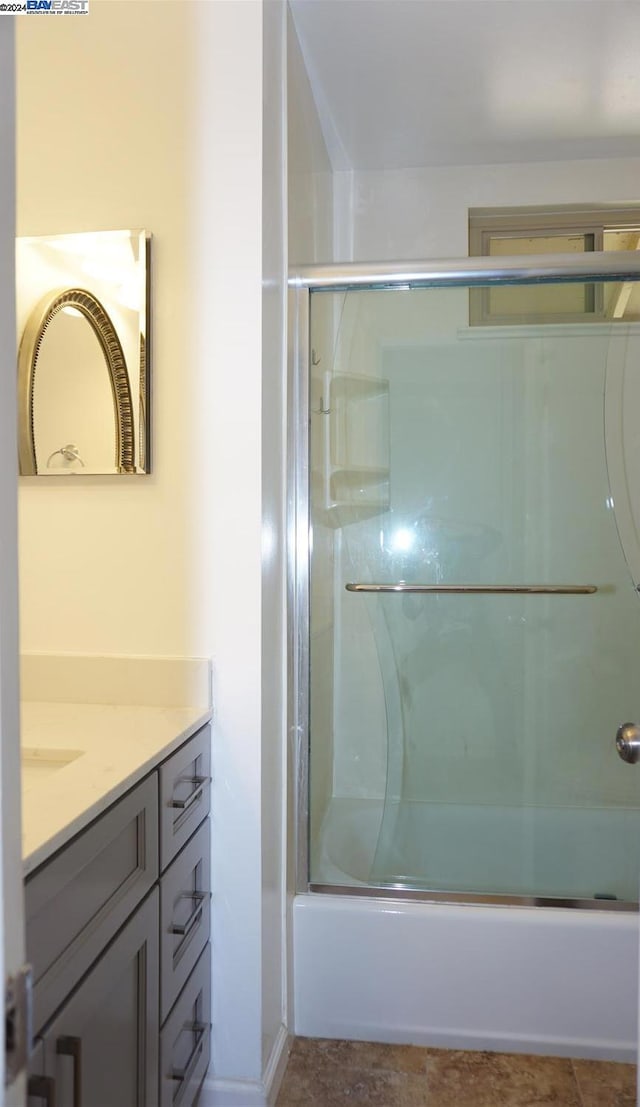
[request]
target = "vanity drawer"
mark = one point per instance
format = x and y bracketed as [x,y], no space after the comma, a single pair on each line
[185,1039]
[40,1089]
[185,791]
[77,901]
[185,910]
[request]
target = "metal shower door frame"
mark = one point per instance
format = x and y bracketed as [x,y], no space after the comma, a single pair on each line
[463,272]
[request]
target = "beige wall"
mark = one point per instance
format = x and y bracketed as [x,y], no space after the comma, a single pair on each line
[159,111]
[115,565]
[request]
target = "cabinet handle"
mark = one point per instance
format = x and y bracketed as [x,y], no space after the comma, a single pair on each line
[182,1076]
[198,899]
[184,805]
[72,1047]
[42,1087]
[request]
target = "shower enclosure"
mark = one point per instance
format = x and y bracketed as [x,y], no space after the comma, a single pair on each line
[466,546]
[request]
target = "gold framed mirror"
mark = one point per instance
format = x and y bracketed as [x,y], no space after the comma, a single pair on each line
[83,365]
[32,352]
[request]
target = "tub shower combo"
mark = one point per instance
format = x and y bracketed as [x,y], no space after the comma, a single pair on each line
[465,651]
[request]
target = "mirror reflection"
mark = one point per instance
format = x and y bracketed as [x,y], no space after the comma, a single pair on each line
[82,366]
[72,398]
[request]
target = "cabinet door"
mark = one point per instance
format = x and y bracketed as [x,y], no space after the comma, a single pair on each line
[77,901]
[102,1048]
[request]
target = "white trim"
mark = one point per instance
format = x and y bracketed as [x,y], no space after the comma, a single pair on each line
[285,958]
[231,1093]
[277,1065]
[516,222]
[12,952]
[597,329]
[226,200]
[249,1093]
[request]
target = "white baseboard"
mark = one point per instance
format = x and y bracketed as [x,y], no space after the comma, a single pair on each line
[248,1093]
[231,1093]
[276,1065]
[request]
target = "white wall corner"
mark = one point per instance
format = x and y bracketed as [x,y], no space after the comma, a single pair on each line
[343,215]
[247,1093]
[338,155]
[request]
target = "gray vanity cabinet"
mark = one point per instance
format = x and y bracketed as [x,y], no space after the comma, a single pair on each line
[118,934]
[101,1049]
[78,900]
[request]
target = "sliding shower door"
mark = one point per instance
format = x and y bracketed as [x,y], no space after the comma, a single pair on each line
[474,487]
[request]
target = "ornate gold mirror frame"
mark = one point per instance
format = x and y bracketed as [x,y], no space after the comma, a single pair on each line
[41,317]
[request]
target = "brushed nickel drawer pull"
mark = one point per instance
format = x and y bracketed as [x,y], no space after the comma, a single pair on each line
[182,1076]
[72,1047]
[42,1087]
[198,899]
[199,782]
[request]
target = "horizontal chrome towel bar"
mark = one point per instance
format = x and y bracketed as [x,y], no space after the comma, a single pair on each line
[480,589]
[618,265]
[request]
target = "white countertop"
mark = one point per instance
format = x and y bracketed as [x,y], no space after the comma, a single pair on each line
[118,746]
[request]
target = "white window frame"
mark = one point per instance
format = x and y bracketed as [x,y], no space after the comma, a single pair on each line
[588,220]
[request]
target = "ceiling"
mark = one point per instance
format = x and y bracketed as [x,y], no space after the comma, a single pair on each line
[407,83]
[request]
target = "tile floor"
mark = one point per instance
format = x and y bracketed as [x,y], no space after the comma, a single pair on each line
[331,1074]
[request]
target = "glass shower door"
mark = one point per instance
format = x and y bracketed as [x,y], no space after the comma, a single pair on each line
[474,618]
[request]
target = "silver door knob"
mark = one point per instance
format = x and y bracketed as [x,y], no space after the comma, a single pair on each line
[628,742]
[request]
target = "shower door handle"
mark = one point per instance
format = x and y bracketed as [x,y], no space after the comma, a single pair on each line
[628,742]
[477,589]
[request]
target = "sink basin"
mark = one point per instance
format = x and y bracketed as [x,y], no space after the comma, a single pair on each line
[40,763]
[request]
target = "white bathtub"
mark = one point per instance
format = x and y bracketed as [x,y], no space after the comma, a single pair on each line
[543,980]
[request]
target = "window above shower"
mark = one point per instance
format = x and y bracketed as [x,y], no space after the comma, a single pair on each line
[567,229]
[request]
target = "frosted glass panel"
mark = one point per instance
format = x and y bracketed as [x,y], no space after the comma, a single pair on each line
[465,742]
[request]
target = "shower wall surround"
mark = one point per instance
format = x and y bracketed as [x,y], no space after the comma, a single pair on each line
[419,213]
[460,408]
